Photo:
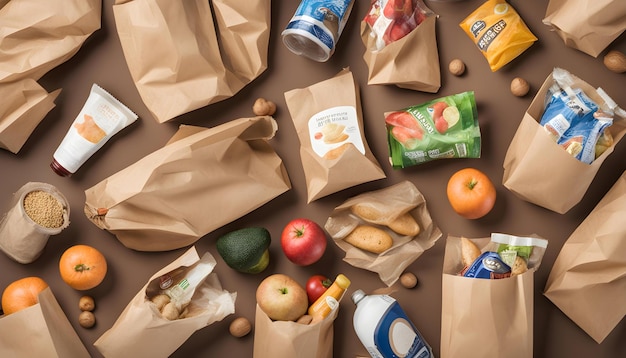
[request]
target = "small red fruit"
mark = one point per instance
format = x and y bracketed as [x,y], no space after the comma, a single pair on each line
[303,241]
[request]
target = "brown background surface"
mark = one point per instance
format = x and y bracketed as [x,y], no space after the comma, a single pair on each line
[101,61]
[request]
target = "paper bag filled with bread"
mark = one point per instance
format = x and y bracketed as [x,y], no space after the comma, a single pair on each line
[333,149]
[564,137]
[487,295]
[385,230]
[178,300]
[588,281]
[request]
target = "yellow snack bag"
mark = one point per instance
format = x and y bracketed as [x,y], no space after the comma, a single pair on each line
[498,31]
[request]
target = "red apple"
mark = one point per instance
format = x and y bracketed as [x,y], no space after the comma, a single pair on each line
[303,241]
[282,298]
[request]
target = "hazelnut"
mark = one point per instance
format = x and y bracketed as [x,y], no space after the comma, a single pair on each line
[615,61]
[408,280]
[456,67]
[519,87]
[86,303]
[86,319]
[240,327]
[263,107]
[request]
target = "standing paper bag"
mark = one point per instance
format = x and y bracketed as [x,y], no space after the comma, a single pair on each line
[588,279]
[588,26]
[181,60]
[491,318]
[41,331]
[538,170]
[203,179]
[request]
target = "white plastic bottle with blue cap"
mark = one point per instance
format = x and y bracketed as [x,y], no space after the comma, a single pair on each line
[384,328]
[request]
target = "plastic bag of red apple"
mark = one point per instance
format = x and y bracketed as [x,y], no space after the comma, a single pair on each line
[442,128]
[288,339]
[401,45]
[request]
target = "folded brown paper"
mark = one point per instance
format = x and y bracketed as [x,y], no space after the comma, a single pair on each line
[24,105]
[197,61]
[487,317]
[588,279]
[42,330]
[411,62]
[287,339]
[588,26]
[333,149]
[203,179]
[141,331]
[392,201]
[539,171]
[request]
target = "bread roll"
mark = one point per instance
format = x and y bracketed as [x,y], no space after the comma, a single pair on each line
[369,238]
[469,252]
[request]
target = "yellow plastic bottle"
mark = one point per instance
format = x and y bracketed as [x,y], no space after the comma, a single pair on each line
[330,298]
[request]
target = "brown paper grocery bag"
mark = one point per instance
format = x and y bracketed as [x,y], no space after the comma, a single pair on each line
[203,179]
[588,279]
[539,171]
[42,330]
[329,123]
[392,201]
[411,62]
[588,26]
[197,61]
[33,45]
[141,331]
[24,105]
[488,317]
[287,339]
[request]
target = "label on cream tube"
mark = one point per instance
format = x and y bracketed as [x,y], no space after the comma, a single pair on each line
[101,117]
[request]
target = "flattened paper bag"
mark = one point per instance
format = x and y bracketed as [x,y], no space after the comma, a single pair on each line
[333,149]
[389,204]
[588,26]
[540,171]
[203,179]
[288,339]
[198,61]
[142,331]
[588,279]
[41,330]
[410,62]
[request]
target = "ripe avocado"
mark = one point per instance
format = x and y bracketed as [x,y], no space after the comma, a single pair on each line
[245,250]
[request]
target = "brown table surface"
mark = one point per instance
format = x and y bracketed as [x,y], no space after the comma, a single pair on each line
[101,61]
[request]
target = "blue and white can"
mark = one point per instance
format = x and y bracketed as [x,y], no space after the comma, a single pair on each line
[315,28]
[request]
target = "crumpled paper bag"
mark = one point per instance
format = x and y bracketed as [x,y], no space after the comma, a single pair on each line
[197,61]
[36,37]
[393,201]
[41,330]
[202,179]
[588,26]
[538,170]
[411,62]
[287,339]
[588,279]
[141,331]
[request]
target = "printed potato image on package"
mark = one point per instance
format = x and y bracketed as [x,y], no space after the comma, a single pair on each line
[446,127]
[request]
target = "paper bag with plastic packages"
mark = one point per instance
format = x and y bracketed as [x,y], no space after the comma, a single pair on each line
[202,179]
[538,170]
[142,330]
[588,279]
[197,61]
[488,317]
[41,330]
[288,339]
[588,26]
[410,61]
[390,205]
[329,123]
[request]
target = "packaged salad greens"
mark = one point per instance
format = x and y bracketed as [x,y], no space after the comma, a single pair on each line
[446,127]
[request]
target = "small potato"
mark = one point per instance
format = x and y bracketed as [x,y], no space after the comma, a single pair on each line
[170,312]
[86,303]
[86,319]
[240,327]
[456,67]
[519,87]
[405,224]
[160,301]
[263,107]
[408,280]
[369,238]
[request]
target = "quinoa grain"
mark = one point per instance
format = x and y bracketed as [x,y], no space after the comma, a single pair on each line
[44,209]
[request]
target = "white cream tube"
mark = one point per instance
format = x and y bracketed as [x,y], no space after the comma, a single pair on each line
[101,117]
